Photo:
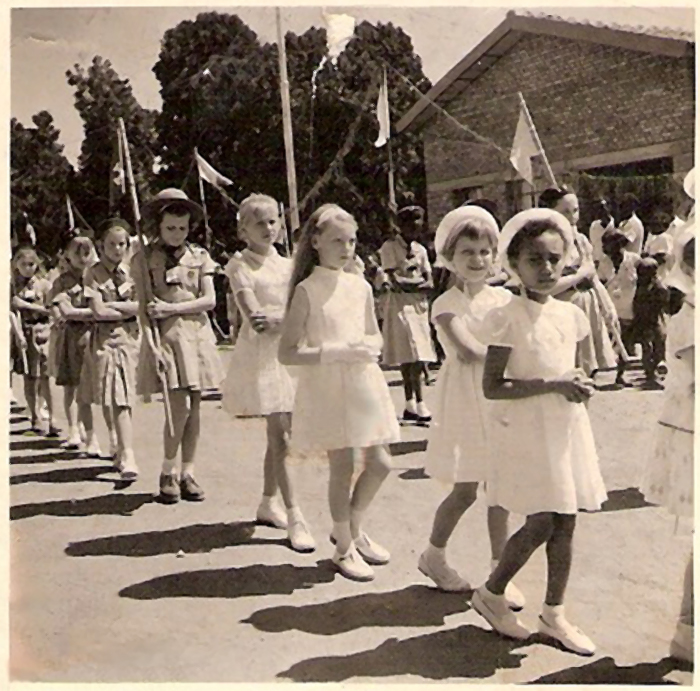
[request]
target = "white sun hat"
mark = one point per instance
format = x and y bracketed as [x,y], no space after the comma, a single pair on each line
[689,184]
[452,223]
[516,224]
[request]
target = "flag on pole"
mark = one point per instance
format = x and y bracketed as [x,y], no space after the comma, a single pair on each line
[525,145]
[383,116]
[117,182]
[71,216]
[128,173]
[209,173]
[340,28]
[29,231]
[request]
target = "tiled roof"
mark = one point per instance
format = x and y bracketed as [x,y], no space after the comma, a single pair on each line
[642,29]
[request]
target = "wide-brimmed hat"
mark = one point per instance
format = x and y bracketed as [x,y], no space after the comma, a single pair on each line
[168,197]
[454,221]
[516,224]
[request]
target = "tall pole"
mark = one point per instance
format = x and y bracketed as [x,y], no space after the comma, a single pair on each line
[207,229]
[287,123]
[536,137]
[392,191]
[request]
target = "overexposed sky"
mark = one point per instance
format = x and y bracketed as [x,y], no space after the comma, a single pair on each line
[47,42]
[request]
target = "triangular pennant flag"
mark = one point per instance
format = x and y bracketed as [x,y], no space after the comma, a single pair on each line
[117,181]
[525,145]
[383,116]
[209,173]
[340,29]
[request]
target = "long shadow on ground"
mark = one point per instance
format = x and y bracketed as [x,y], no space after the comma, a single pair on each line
[63,475]
[415,605]
[190,539]
[246,581]
[49,457]
[400,448]
[34,444]
[108,504]
[467,652]
[606,671]
[624,499]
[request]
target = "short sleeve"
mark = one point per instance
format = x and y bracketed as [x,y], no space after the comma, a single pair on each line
[445,304]
[238,275]
[497,328]
[425,261]
[90,285]
[208,265]
[581,323]
[57,292]
[387,256]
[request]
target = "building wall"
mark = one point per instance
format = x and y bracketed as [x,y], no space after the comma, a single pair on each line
[586,100]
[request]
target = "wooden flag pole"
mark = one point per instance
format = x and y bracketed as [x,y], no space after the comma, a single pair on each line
[146,274]
[287,123]
[207,229]
[392,191]
[536,137]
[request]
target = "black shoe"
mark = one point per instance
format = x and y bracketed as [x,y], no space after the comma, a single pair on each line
[169,489]
[409,416]
[190,490]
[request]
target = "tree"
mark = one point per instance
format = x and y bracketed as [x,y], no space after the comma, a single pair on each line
[101,97]
[39,178]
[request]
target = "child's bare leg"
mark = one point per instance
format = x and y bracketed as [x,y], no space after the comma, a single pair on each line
[416,369]
[31,397]
[109,415]
[180,409]
[85,416]
[407,381]
[45,391]
[190,433]
[450,511]
[377,467]
[69,408]
[278,428]
[342,465]
[518,550]
[497,519]
[559,555]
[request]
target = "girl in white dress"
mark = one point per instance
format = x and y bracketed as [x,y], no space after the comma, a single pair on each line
[465,244]
[257,384]
[668,478]
[342,404]
[544,463]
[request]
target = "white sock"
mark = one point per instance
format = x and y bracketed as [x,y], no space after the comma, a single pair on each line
[356,523]
[343,536]
[294,514]
[552,611]
[267,501]
[411,405]
[169,466]
[434,552]
[188,468]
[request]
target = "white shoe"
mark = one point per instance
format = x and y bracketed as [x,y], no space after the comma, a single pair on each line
[93,448]
[444,576]
[300,538]
[682,644]
[371,552]
[74,441]
[271,513]
[353,566]
[423,413]
[495,610]
[44,413]
[113,447]
[570,636]
[117,462]
[128,469]
[82,432]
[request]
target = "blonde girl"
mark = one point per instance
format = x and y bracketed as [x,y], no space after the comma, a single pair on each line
[30,292]
[257,384]
[73,323]
[465,243]
[180,277]
[544,462]
[110,364]
[342,405]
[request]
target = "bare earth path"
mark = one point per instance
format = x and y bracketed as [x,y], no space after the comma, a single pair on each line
[109,586]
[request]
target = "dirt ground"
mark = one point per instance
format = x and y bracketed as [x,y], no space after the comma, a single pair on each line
[110,586]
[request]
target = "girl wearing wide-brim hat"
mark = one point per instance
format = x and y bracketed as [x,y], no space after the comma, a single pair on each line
[181,294]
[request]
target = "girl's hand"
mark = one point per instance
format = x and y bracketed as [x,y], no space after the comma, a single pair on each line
[159,309]
[575,386]
[263,323]
[23,343]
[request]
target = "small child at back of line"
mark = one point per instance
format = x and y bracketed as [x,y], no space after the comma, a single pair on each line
[342,404]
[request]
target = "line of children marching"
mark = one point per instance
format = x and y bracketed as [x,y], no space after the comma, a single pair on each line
[306,360]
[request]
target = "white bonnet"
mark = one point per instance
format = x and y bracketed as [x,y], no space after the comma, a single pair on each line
[677,278]
[515,225]
[689,184]
[453,222]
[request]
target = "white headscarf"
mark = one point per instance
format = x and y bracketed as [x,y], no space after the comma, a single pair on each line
[452,223]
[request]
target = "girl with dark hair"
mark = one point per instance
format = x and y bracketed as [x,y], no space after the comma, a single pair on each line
[578,286]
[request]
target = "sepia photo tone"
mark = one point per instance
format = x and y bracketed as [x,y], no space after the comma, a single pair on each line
[352,344]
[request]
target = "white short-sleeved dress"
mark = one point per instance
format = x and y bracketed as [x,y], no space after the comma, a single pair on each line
[340,405]
[668,477]
[457,444]
[543,455]
[256,383]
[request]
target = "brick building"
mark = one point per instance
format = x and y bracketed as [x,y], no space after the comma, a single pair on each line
[613,106]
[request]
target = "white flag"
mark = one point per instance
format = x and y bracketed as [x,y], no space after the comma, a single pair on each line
[209,173]
[71,218]
[383,114]
[340,28]
[29,230]
[525,145]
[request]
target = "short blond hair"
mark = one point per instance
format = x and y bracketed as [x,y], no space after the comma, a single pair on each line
[251,205]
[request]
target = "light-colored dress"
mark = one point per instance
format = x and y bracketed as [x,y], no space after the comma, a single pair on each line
[256,383]
[543,455]
[457,444]
[188,341]
[340,405]
[621,283]
[35,326]
[668,477]
[109,375]
[633,228]
[406,326]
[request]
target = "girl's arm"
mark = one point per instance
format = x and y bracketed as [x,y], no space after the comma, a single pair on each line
[291,352]
[468,348]
[20,304]
[497,387]
[102,311]
[126,308]
[74,314]
[373,336]
[160,309]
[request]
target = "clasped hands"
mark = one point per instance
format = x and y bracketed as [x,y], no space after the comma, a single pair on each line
[576,386]
[359,352]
